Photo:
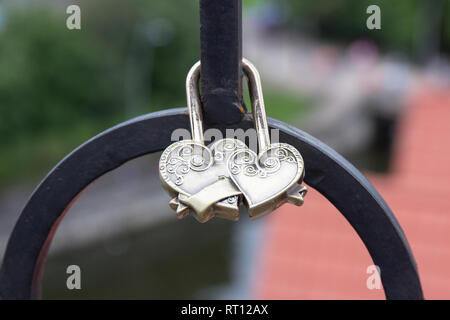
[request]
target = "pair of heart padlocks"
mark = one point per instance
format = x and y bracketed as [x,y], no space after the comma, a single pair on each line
[216,180]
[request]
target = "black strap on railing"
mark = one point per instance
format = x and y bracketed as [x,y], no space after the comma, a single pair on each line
[221,57]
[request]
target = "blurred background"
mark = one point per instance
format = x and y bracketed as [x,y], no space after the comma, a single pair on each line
[379,97]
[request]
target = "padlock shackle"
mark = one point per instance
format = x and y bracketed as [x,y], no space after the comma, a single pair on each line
[256,98]
[194,104]
[257,102]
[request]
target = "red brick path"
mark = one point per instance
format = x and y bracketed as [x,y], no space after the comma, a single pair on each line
[315,254]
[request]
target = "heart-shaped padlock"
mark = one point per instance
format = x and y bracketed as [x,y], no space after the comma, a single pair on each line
[197,177]
[215,180]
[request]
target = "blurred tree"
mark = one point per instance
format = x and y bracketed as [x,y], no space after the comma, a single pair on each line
[165,30]
[49,77]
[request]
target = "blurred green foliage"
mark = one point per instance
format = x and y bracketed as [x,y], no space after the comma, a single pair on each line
[58,87]
[402,21]
[49,78]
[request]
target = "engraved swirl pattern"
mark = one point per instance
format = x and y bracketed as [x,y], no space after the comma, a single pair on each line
[185,157]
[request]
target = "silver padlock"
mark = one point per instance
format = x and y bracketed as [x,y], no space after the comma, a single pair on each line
[215,180]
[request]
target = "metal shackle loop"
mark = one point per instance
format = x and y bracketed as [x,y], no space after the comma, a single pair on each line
[194,103]
[256,98]
[257,102]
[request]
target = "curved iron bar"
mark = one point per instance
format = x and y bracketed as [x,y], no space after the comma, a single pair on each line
[328,172]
